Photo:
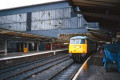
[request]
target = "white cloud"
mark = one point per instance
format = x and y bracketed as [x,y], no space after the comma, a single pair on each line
[6,4]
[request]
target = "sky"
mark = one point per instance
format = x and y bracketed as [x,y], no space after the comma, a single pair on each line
[7,4]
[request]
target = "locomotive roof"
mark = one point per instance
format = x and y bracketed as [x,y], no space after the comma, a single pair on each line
[79,37]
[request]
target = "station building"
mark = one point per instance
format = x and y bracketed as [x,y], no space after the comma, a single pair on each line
[49,19]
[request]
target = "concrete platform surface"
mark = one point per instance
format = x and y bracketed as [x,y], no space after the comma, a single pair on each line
[93,69]
[22,54]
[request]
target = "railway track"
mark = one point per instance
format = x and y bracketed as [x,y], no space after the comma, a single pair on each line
[20,65]
[26,71]
[67,73]
[60,67]
[61,71]
[50,71]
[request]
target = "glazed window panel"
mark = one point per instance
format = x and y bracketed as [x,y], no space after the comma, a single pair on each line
[77,41]
[82,41]
[72,41]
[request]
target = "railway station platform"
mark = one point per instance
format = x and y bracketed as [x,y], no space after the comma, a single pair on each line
[93,69]
[17,57]
[22,54]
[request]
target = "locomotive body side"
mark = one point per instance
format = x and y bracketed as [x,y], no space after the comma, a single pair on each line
[91,46]
[80,47]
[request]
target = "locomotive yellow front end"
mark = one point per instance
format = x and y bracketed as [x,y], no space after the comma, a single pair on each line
[78,47]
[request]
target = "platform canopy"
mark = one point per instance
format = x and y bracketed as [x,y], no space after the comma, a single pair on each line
[18,35]
[106,12]
[93,34]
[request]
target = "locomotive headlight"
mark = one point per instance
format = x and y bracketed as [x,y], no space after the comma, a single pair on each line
[70,51]
[80,46]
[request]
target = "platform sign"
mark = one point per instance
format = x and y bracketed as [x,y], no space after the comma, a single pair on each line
[25,50]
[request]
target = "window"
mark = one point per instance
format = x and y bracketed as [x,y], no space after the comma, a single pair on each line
[77,41]
[82,41]
[72,41]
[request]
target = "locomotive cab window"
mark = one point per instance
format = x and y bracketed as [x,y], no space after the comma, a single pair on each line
[82,41]
[72,41]
[77,41]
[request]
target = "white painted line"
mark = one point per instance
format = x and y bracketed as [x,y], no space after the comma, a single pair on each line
[77,74]
[32,54]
